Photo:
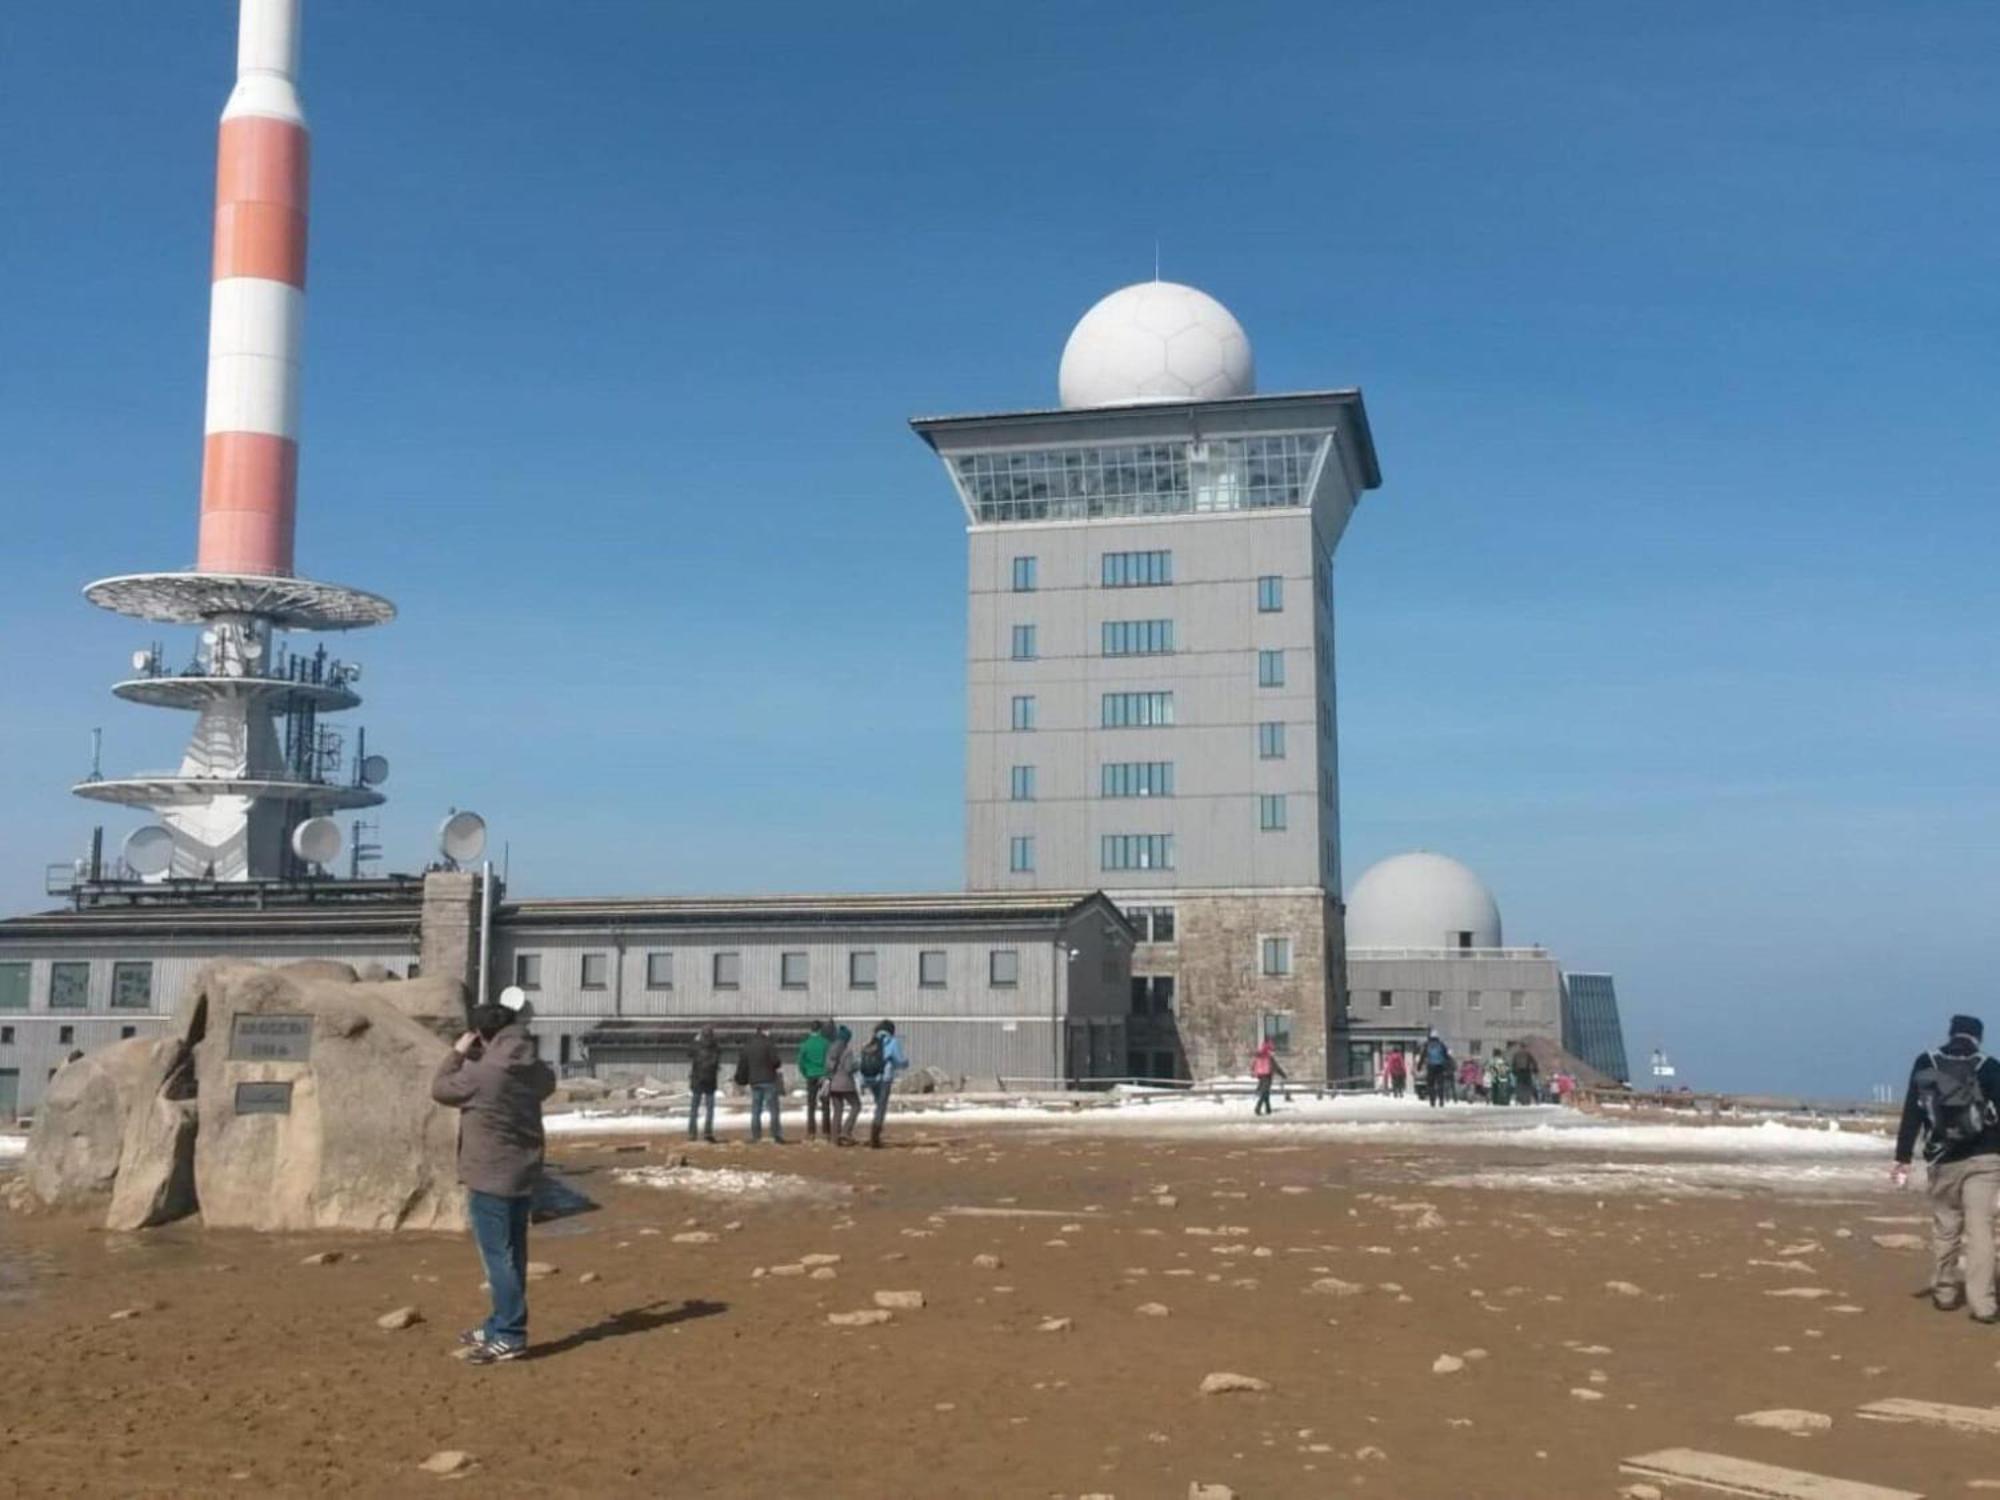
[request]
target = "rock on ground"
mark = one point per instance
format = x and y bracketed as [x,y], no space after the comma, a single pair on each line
[900,1301]
[1152,1309]
[986,1262]
[446,1462]
[1199,1491]
[402,1317]
[1224,1383]
[1055,1325]
[1333,1286]
[1786,1419]
[865,1318]
[79,1131]
[1447,1364]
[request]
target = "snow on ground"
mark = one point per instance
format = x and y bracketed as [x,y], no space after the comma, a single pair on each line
[1679,1179]
[13,1145]
[1367,1117]
[732,1184]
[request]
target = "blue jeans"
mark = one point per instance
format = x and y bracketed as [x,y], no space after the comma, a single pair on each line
[500,1229]
[696,1101]
[881,1089]
[765,1096]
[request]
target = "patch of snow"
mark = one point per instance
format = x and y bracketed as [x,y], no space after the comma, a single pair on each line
[733,1184]
[13,1145]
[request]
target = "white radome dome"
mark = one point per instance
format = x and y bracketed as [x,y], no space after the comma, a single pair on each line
[1156,341]
[1420,901]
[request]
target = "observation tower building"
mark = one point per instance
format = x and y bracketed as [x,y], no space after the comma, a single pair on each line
[1150,699]
[251,798]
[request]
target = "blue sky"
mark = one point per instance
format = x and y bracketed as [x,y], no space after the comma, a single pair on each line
[1677,327]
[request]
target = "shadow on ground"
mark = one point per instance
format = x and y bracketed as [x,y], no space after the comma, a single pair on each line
[632,1320]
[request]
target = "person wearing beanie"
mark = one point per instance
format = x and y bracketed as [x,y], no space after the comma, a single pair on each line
[1953,1103]
[494,1079]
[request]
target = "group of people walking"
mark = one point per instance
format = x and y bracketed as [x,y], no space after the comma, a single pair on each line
[1512,1075]
[836,1074]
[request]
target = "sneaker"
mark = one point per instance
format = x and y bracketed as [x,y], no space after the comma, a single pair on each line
[496,1353]
[472,1338]
[711,1140]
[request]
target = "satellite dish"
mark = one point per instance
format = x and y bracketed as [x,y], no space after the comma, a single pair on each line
[514,998]
[462,837]
[374,770]
[252,647]
[352,671]
[141,660]
[149,850]
[317,841]
[208,636]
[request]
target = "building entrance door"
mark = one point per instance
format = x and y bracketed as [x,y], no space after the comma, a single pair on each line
[10,1093]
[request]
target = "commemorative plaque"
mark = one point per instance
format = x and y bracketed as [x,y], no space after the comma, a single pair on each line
[263,1098]
[271,1039]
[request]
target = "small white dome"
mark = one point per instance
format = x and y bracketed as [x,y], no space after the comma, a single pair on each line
[1421,901]
[1156,341]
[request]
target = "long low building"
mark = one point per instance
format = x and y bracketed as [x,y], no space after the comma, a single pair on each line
[1020,988]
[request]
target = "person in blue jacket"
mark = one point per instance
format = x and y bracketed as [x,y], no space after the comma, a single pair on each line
[881,1060]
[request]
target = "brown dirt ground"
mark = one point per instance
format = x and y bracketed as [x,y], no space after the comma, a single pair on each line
[678,1373]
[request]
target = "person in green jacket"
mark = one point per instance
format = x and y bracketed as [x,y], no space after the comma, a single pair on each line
[812,1068]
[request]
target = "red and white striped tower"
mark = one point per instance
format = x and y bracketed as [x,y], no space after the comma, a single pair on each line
[242,786]
[256,321]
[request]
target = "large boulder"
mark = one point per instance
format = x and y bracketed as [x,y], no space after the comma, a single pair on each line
[79,1131]
[314,1107]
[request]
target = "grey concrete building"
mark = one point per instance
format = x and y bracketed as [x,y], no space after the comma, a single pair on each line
[1149,660]
[1015,989]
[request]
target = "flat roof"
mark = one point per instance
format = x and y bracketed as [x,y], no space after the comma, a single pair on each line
[930,429]
[873,909]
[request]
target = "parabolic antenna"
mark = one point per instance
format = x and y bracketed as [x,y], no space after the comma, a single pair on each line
[374,770]
[252,647]
[462,837]
[141,660]
[317,841]
[149,850]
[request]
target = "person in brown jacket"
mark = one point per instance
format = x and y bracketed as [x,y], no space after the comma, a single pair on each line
[497,1083]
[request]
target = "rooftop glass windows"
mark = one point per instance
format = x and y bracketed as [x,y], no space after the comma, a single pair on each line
[1140,479]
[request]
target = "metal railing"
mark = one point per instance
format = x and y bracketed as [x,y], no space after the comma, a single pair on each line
[1441,952]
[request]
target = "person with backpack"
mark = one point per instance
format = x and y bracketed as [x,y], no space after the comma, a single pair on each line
[1471,1080]
[704,1078]
[812,1068]
[1521,1063]
[881,1060]
[1951,1102]
[843,1097]
[1499,1082]
[1398,1069]
[759,1066]
[1438,1069]
[1265,1067]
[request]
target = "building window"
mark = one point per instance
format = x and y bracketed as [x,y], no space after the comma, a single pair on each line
[793,969]
[660,970]
[6,1036]
[1387,1000]
[1517,1000]
[69,986]
[1276,1028]
[1138,637]
[1154,924]
[1136,778]
[1136,851]
[126,1033]
[1024,711]
[14,986]
[596,971]
[1270,594]
[564,1049]
[1270,669]
[1472,1000]
[1003,968]
[1021,854]
[1136,710]
[1152,994]
[1271,740]
[1024,643]
[528,970]
[1024,575]
[132,985]
[931,968]
[1021,784]
[1136,570]
[65,1037]
[726,971]
[1275,956]
[861,969]
[1436,999]
[1271,812]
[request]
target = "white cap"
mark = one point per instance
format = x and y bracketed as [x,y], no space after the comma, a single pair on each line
[514,998]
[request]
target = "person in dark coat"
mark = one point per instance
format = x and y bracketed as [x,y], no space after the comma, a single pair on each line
[843,1095]
[1951,1102]
[704,1078]
[761,1068]
[494,1078]
[1521,1063]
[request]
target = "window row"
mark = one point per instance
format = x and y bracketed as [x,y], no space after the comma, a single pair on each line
[1517,1000]
[1135,710]
[794,968]
[1136,570]
[1154,924]
[1136,778]
[1140,479]
[1138,637]
[69,985]
[1136,851]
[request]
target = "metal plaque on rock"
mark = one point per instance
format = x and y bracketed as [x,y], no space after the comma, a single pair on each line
[271,1039]
[263,1098]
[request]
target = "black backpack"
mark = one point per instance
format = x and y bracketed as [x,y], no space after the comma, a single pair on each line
[1956,1109]
[871,1057]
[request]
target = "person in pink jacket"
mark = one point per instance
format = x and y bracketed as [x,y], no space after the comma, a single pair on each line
[1265,1067]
